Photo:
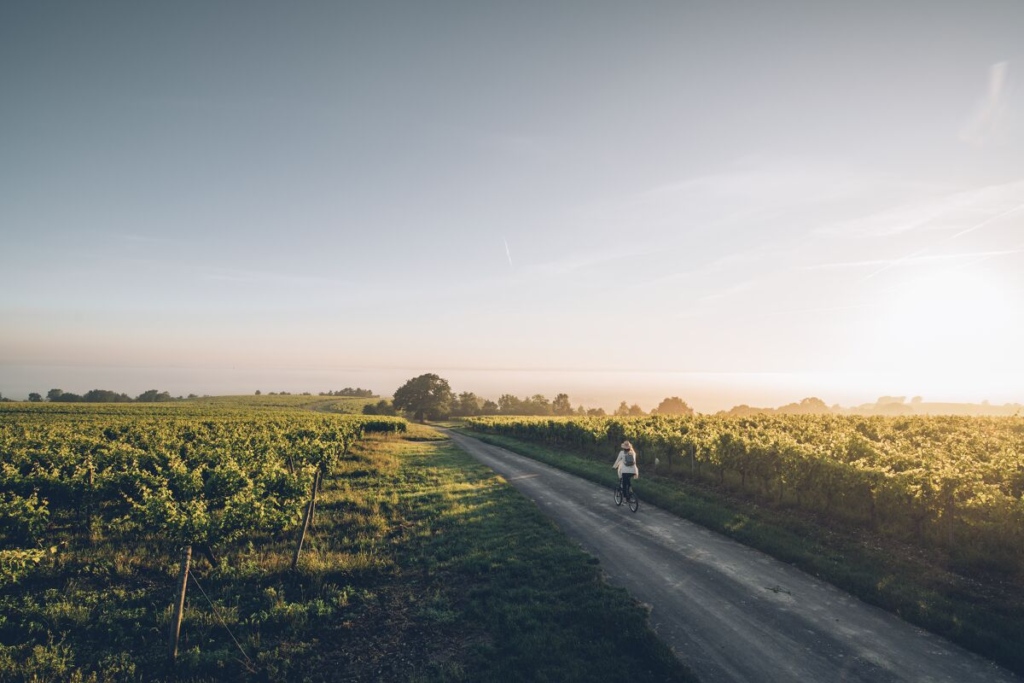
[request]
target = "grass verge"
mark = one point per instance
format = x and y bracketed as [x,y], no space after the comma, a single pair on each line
[982,614]
[423,566]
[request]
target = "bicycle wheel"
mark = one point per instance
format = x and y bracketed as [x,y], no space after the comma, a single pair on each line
[618,495]
[634,502]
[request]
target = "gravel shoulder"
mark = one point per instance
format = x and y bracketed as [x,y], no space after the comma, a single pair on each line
[731,613]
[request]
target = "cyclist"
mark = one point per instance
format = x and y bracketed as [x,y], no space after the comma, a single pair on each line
[627,465]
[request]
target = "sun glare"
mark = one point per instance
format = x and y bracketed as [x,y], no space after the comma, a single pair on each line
[951,321]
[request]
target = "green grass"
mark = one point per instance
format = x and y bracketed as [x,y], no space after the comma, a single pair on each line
[984,614]
[332,404]
[423,566]
[202,406]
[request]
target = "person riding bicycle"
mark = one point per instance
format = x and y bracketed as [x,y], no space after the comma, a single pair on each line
[627,465]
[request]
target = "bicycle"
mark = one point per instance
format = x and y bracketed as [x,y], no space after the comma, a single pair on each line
[633,501]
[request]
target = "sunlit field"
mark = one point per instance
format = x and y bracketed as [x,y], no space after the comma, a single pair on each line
[255,539]
[921,515]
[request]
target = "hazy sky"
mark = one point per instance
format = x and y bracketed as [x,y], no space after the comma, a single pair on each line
[214,197]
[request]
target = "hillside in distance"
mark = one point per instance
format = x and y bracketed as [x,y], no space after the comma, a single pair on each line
[888,406]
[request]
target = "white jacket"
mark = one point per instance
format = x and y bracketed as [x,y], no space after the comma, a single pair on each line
[620,464]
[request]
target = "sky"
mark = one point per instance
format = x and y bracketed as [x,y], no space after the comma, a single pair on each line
[730,202]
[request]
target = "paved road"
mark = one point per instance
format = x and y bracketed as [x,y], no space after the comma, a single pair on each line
[729,612]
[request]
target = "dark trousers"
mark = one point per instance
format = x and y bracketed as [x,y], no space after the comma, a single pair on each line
[626,476]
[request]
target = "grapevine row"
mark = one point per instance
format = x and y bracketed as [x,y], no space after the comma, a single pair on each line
[945,481]
[189,480]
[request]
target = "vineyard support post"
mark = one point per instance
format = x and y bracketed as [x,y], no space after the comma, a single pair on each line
[89,500]
[308,519]
[316,494]
[179,604]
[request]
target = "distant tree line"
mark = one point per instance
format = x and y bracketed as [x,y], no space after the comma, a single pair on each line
[104,396]
[808,406]
[431,397]
[350,392]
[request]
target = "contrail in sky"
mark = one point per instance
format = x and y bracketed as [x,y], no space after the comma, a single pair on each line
[919,252]
[987,221]
[507,252]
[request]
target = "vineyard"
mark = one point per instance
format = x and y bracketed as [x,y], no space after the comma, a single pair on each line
[922,516]
[283,539]
[952,483]
[190,478]
[191,481]
[228,537]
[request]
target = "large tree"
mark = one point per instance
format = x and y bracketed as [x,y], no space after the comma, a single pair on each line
[673,406]
[426,396]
